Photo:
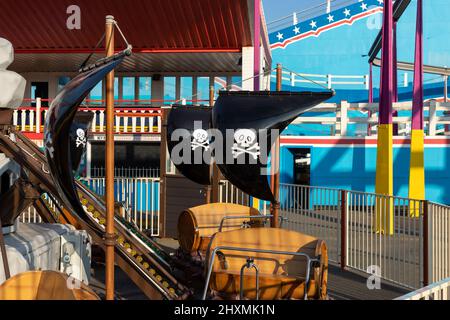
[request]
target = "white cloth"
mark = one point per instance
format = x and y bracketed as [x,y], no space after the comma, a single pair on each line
[12,85]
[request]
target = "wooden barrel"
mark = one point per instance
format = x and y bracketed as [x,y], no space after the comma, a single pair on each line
[197,225]
[280,276]
[44,285]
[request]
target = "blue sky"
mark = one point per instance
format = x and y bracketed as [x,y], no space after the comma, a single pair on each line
[275,9]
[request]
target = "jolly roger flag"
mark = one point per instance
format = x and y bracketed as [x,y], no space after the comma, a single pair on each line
[253,117]
[188,139]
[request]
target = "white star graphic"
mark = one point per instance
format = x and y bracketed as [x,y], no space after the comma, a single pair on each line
[363,6]
[347,12]
[330,18]
[313,24]
[296,30]
[280,36]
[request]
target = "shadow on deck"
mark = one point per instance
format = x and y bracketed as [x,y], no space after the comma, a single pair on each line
[351,285]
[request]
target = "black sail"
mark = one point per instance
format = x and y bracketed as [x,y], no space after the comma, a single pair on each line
[256,111]
[78,137]
[59,129]
[188,119]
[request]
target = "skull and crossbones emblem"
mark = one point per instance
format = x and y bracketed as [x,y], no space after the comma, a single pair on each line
[81,138]
[200,139]
[245,143]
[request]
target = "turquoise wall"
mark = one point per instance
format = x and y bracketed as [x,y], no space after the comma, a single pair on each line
[353,168]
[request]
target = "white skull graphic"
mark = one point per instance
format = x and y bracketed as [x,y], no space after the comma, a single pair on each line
[200,139]
[80,133]
[245,137]
[246,143]
[81,138]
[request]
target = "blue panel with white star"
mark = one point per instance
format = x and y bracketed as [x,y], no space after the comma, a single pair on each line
[339,15]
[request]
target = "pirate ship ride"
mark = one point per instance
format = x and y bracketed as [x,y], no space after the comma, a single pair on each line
[287,264]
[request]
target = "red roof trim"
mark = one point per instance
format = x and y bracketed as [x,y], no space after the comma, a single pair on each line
[87,51]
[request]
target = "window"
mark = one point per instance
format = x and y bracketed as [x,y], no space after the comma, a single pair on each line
[169,90]
[203,90]
[145,89]
[186,89]
[128,90]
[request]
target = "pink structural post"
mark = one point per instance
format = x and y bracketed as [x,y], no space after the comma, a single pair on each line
[417,108]
[417,165]
[257,45]
[384,170]
[394,78]
[370,99]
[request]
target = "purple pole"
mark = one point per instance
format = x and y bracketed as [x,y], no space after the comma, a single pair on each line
[417,108]
[256,45]
[369,112]
[386,85]
[394,78]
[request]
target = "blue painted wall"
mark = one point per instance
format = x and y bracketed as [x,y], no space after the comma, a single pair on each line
[353,168]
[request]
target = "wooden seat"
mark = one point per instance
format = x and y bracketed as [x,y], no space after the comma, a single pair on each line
[197,225]
[280,276]
[43,285]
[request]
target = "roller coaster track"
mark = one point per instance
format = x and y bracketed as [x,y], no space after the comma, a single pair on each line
[142,259]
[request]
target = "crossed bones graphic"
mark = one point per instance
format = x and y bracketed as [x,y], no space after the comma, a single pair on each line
[195,144]
[253,151]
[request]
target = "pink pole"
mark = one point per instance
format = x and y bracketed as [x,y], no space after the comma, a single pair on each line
[417,108]
[369,112]
[256,45]
[394,78]
[386,84]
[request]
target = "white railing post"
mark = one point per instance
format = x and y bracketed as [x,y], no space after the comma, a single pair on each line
[38,114]
[117,118]
[329,81]
[366,81]
[15,117]
[432,118]
[94,122]
[342,118]
[292,79]
[133,122]
[102,120]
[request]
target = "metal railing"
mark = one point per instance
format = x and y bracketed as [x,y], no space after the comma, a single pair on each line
[403,240]
[314,211]
[439,241]
[126,172]
[436,291]
[385,235]
[140,197]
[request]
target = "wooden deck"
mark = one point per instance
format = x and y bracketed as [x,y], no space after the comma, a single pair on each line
[342,285]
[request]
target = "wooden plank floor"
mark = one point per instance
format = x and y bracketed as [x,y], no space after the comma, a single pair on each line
[342,285]
[350,285]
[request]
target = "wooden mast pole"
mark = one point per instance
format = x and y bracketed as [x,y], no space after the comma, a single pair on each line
[209,187]
[275,206]
[109,235]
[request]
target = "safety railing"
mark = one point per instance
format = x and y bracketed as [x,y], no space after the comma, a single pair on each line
[436,116]
[439,241]
[231,194]
[314,211]
[405,241]
[127,172]
[129,118]
[328,80]
[140,197]
[437,291]
[384,235]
